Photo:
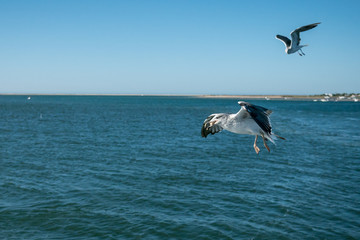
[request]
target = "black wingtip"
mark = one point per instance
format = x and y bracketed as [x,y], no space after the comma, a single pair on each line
[203,132]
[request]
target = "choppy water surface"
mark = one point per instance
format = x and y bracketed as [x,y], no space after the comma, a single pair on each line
[137,168]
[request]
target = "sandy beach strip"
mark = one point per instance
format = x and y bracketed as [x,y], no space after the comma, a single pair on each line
[267,97]
[239,97]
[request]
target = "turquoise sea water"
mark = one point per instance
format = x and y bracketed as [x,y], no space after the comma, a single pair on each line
[91,167]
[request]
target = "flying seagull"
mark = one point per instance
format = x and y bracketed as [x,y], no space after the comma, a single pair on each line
[251,120]
[293,45]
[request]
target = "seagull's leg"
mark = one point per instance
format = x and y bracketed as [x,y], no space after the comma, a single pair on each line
[257,150]
[302,52]
[265,144]
[299,53]
[279,137]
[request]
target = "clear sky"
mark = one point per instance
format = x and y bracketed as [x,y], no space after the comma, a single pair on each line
[177,47]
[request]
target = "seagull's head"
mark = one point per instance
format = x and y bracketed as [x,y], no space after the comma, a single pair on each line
[241,103]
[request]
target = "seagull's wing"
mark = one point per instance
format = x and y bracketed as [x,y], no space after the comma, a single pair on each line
[285,40]
[295,38]
[306,27]
[295,35]
[259,114]
[212,124]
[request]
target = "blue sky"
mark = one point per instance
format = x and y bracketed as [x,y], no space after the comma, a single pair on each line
[177,47]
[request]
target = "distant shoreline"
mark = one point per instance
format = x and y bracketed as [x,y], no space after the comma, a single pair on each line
[323,97]
[249,96]
[257,96]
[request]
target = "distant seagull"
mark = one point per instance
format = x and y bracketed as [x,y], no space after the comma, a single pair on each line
[251,120]
[293,45]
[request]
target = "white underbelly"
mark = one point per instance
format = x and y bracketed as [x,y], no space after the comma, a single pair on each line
[248,126]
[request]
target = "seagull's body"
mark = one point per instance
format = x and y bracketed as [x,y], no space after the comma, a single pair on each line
[293,45]
[250,120]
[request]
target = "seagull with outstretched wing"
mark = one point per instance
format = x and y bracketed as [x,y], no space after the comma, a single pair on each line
[293,45]
[250,120]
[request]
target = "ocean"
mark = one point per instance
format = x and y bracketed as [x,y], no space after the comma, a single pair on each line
[136,167]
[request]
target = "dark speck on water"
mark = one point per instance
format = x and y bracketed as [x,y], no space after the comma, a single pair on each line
[128,167]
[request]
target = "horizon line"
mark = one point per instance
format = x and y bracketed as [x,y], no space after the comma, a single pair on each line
[250,96]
